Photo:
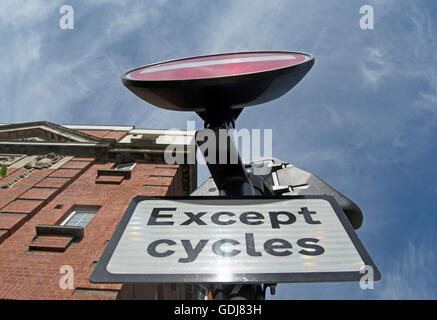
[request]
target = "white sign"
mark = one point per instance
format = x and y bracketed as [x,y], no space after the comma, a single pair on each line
[241,240]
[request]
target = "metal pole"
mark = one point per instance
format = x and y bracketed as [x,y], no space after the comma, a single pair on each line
[231,179]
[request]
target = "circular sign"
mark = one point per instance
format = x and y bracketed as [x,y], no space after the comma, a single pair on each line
[222,65]
[214,82]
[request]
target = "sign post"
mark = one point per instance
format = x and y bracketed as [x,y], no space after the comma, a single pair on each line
[249,235]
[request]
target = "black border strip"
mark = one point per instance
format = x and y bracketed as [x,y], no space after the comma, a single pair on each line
[101,275]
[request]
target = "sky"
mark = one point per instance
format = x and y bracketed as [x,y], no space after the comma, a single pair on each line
[363,119]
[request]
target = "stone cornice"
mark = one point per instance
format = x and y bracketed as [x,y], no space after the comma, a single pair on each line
[75,135]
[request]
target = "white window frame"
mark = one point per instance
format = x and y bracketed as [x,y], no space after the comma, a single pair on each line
[80,210]
[130,168]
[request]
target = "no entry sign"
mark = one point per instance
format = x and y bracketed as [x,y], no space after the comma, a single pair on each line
[233,240]
[213,82]
[221,65]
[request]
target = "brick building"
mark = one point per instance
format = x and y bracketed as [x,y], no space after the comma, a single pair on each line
[67,187]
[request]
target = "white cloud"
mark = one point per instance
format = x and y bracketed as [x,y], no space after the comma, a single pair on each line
[412,275]
[376,66]
[43,73]
[26,51]
[428,101]
[22,13]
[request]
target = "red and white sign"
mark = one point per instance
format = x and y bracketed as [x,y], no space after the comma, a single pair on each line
[218,66]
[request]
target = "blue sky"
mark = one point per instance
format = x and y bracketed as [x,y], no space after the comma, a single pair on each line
[363,119]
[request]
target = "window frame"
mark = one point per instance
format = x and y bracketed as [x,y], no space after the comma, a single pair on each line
[92,210]
[131,165]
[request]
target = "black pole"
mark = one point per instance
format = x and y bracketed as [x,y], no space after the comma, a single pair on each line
[231,179]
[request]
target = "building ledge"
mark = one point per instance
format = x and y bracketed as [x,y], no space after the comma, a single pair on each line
[51,243]
[76,232]
[114,172]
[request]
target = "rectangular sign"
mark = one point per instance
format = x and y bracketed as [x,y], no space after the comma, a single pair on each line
[201,239]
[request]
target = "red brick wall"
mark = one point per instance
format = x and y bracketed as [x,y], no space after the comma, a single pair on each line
[30,264]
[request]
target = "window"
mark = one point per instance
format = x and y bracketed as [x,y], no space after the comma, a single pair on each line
[125,166]
[116,174]
[79,217]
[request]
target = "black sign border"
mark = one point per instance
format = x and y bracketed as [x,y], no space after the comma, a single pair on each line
[101,275]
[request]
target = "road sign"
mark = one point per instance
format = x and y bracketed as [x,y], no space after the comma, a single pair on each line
[258,239]
[222,65]
[224,80]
